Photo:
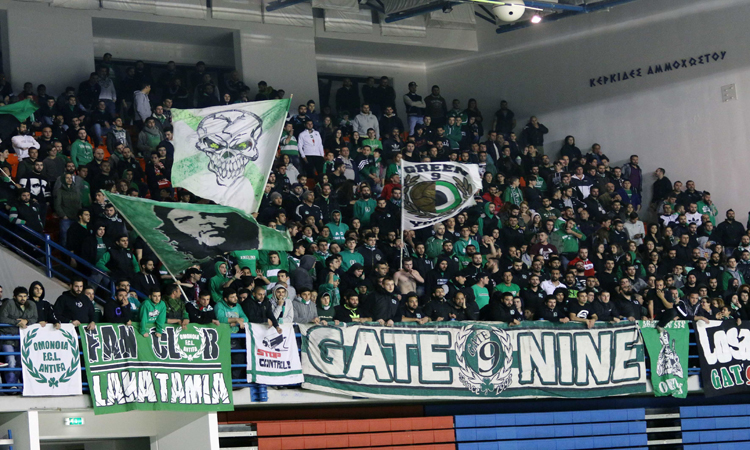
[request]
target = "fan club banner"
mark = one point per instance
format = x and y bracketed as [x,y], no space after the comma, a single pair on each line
[225,153]
[275,357]
[50,360]
[668,355]
[181,370]
[185,234]
[434,192]
[724,350]
[460,360]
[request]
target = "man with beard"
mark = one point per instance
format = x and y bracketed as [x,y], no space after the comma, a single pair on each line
[18,313]
[258,309]
[73,307]
[410,311]
[350,311]
[145,280]
[628,303]
[118,310]
[502,309]
[533,295]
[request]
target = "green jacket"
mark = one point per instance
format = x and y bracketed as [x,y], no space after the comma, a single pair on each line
[153,314]
[363,209]
[434,247]
[513,195]
[459,247]
[225,312]
[338,232]
[711,210]
[453,133]
[217,281]
[81,153]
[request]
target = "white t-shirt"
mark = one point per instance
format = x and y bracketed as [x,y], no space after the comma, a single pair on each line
[22,144]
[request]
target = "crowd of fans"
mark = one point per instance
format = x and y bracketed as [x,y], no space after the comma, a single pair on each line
[554,236]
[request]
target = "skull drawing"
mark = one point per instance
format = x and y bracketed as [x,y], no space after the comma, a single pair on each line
[229,139]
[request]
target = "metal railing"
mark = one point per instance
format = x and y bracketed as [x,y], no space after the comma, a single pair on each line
[41,250]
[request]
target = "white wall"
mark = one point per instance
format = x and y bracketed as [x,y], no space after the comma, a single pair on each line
[161,52]
[15,271]
[24,427]
[675,120]
[44,41]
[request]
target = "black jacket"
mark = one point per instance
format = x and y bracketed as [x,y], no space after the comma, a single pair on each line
[383,305]
[258,312]
[114,313]
[729,233]
[200,316]
[70,307]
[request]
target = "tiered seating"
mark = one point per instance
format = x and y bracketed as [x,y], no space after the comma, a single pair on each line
[610,429]
[716,427]
[434,433]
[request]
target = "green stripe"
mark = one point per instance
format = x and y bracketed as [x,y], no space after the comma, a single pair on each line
[278,374]
[427,391]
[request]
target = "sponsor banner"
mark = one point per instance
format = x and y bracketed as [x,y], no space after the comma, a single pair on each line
[275,357]
[668,354]
[185,234]
[434,192]
[50,360]
[724,350]
[460,360]
[225,153]
[181,370]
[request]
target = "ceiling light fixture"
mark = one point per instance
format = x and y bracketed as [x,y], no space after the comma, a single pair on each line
[536,19]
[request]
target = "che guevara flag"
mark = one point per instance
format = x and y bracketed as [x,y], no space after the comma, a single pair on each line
[225,153]
[185,234]
[436,191]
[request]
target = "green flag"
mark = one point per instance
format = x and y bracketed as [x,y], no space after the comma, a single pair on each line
[185,234]
[668,354]
[225,153]
[179,370]
[20,110]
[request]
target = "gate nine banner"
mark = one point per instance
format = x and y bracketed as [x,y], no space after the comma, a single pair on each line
[50,360]
[474,360]
[181,370]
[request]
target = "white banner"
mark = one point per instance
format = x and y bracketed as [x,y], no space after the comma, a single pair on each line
[50,360]
[272,358]
[437,191]
[459,360]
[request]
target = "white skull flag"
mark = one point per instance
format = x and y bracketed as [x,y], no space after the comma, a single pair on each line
[225,153]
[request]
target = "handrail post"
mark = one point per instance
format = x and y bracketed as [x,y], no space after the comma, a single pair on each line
[48,255]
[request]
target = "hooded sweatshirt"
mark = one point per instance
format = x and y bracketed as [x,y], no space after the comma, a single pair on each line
[217,281]
[301,276]
[338,230]
[44,309]
[284,313]
[224,312]
[326,312]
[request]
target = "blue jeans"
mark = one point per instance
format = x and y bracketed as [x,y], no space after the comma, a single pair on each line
[97,130]
[13,362]
[413,121]
[64,227]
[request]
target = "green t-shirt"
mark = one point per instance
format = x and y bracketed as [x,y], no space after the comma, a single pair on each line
[246,258]
[373,143]
[513,288]
[338,232]
[481,296]
[350,258]
[81,153]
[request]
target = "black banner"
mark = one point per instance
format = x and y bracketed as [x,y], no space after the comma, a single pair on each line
[724,351]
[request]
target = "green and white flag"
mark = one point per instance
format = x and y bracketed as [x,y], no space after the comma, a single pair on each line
[437,191]
[225,153]
[179,370]
[50,360]
[185,234]
[668,353]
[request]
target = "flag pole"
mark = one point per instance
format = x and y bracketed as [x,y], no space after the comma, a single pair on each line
[403,244]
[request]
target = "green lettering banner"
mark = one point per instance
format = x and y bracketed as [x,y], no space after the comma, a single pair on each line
[181,370]
[668,353]
[459,360]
